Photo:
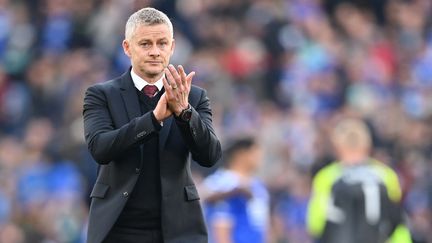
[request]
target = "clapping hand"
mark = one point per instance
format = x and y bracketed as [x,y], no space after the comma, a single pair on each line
[177,87]
[176,97]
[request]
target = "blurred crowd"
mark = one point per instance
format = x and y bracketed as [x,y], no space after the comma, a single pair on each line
[281,70]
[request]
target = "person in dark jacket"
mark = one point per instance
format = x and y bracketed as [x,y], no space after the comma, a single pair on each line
[357,198]
[142,128]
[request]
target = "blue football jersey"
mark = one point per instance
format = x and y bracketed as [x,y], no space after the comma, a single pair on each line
[248,216]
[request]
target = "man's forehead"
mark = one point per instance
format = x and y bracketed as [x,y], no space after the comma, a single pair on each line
[158,30]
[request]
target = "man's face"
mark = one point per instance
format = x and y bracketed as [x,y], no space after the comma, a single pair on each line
[150,49]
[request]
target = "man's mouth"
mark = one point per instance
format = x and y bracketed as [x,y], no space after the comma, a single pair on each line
[154,62]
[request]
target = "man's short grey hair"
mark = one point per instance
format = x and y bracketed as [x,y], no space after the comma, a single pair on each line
[146,16]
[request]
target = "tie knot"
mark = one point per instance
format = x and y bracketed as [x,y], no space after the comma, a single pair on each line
[150,90]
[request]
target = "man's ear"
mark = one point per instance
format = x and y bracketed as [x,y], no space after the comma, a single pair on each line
[172,46]
[126,47]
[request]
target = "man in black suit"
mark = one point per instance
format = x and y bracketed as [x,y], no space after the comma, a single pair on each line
[141,128]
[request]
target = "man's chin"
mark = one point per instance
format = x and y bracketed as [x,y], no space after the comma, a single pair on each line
[154,74]
[153,71]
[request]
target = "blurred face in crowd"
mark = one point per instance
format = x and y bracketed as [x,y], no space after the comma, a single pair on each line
[249,159]
[150,48]
[254,156]
[352,141]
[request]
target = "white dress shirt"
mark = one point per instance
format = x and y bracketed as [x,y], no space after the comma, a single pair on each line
[141,83]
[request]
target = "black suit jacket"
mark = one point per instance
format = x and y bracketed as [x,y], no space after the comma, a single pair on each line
[114,130]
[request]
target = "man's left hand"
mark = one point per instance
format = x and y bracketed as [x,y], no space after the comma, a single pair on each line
[177,87]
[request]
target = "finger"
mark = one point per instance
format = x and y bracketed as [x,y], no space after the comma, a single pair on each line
[182,74]
[169,77]
[175,75]
[168,89]
[172,82]
[172,96]
[189,78]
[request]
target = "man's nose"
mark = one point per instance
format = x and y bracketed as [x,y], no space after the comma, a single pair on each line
[154,51]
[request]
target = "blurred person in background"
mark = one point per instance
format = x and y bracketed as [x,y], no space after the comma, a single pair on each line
[356,199]
[48,188]
[237,203]
[289,207]
[141,128]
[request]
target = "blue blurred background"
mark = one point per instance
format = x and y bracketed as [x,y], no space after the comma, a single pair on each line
[281,70]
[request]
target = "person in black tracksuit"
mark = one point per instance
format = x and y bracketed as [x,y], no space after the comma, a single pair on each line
[356,199]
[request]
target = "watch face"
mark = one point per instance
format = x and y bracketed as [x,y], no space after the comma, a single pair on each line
[187,115]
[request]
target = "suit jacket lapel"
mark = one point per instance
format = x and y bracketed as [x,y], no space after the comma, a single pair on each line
[129,96]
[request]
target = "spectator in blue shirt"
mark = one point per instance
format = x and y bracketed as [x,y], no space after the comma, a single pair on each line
[236,202]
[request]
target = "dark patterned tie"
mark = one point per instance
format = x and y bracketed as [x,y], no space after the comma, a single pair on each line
[150,90]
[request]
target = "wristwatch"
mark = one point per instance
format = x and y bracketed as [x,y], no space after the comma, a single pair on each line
[186,114]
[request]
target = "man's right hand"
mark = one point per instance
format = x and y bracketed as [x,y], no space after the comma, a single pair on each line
[161,112]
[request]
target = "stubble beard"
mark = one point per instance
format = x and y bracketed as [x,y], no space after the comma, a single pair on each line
[151,73]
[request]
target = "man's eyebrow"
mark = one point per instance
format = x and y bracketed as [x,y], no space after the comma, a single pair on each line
[144,40]
[150,40]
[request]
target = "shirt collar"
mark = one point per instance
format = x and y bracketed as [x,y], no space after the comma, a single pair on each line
[141,83]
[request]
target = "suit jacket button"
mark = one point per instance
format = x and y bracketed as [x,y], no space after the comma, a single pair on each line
[137,170]
[125,194]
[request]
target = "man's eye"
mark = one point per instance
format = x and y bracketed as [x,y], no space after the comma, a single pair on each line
[145,44]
